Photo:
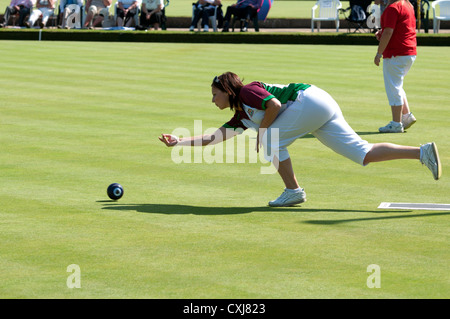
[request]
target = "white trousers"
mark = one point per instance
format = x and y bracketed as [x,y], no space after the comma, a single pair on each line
[394,72]
[315,112]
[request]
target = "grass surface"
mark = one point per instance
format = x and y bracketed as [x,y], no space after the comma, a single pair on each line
[76,117]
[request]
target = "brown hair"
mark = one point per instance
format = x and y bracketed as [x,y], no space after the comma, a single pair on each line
[231,84]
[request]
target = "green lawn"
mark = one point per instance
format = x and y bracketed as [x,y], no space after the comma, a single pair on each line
[77,116]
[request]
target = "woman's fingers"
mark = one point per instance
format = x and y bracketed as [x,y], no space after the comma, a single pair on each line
[168,139]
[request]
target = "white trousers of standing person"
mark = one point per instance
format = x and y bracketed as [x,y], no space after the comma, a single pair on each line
[394,72]
[315,112]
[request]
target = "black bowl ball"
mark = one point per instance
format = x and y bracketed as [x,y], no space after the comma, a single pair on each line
[115,191]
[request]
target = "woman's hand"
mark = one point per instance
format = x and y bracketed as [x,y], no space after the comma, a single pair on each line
[378,35]
[259,138]
[385,37]
[169,139]
[377,59]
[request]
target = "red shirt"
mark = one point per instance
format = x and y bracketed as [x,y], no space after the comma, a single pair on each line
[400,17]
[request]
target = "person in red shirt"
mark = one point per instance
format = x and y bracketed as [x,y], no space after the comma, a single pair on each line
[397,46]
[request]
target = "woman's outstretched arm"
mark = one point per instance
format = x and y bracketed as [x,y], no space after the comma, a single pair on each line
[220,135]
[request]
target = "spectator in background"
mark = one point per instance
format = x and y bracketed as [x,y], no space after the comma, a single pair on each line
[65,11]
[398,47]
[244,9]
[151,14]
[44,8]
[126,10]
[22,7]
[203,10]
[96,7]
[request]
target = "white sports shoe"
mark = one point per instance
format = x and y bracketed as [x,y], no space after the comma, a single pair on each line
[289,198]
[392,127]
[408,120]
[429,156]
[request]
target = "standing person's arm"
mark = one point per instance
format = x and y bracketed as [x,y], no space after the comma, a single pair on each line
[384,39]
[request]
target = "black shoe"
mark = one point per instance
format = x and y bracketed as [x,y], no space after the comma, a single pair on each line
[225,26]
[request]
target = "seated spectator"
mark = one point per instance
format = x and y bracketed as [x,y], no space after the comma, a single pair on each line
[21,7]
[151,14]
[244,9]
[126,10]
[96,7]
[65,11]
[203,10]
[44,8]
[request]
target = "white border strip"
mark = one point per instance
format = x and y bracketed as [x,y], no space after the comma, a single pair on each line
[414,206]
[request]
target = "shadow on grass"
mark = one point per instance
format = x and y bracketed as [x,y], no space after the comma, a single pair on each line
[174,209]
[340,221]
[194,210]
